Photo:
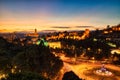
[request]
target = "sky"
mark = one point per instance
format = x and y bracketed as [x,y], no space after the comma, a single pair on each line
[58,15]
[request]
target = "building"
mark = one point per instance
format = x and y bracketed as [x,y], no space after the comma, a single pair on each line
[54,44]
[34,36]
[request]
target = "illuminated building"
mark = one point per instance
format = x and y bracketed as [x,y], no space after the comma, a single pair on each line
[117,51]
[70,35]
[54,44]
[110,30]
[85,34]
[34,36]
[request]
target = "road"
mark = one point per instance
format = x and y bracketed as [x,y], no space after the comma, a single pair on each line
[80,67]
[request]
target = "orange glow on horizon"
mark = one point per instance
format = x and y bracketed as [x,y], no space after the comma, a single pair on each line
[43,25]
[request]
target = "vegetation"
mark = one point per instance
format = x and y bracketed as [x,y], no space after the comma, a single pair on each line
[35,58]
[70,76]
[89,47]
[24,76]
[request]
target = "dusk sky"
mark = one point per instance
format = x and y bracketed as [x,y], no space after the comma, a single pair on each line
[26,15]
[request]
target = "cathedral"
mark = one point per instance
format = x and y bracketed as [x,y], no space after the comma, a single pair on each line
[34,36]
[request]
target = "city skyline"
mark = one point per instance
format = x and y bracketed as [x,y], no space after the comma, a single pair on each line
[57,15]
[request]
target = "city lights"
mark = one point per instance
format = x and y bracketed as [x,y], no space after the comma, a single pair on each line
[59,39]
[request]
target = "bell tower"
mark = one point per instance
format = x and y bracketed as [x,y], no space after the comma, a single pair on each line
[35,30]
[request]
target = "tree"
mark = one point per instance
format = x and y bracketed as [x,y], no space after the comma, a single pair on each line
[5,58]
[34,58]
[38,58]
[24,76]
[70,76]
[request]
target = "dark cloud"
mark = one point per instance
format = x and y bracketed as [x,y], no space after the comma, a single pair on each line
[61,27]
[84,26]
[48,31]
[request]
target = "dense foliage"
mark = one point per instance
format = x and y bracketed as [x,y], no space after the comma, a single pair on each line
[24,76]
[70,76]
[89,47]
[35,58]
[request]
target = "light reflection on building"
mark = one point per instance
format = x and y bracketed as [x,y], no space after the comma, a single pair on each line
[54,44]
[117,51]
[70,35]
[34,36]
[111,29]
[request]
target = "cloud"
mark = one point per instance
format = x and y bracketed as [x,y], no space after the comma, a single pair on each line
[84,26]
[61,27]
[4,30]
[48,31]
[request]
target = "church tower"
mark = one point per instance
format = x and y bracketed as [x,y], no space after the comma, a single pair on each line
[35,30]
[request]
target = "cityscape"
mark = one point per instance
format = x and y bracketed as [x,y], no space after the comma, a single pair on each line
[60,40]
